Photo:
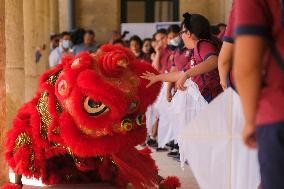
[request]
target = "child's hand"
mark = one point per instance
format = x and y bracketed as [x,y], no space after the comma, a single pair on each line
[181,81]
[151,77]
[249,135]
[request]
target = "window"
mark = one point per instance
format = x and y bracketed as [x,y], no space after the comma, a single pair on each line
[139,11]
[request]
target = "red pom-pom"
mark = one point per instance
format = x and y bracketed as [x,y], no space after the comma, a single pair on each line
[145,151]
[170,183]
[11,186]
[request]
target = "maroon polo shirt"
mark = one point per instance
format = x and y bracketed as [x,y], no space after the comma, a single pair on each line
[182,59]
[208,83]
[166,60]
[264,18]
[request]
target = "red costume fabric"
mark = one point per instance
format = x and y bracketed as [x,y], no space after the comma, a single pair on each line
[83,124]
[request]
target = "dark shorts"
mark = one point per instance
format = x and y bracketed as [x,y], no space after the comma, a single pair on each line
[270,139]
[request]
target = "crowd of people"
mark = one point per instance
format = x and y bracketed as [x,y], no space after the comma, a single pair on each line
[167,51]
[200,55]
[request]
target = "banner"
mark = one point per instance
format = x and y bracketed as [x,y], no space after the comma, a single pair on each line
[144,30]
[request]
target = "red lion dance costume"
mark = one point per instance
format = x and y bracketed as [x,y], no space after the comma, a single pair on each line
[84,123]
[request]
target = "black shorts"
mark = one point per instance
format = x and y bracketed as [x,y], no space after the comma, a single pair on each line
[270,140]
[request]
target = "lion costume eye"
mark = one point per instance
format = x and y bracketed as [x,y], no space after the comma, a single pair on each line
[94,108]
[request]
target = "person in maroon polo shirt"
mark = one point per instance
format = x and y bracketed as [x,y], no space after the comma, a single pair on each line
[163,53]
[259,75]
[162,62]
[204,60]
[225,59]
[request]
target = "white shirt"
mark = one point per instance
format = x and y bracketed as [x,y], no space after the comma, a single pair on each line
[56,55]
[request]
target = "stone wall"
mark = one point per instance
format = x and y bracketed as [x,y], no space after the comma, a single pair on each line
[104,16]
[215,10]
[101,16]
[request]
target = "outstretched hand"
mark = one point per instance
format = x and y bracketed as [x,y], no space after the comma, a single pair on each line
[151,77]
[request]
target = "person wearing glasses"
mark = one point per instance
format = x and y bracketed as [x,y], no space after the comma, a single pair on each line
[203,70]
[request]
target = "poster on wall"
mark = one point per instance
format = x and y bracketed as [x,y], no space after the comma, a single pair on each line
[144,30]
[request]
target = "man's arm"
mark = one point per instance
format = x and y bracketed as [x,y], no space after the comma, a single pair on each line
[225,61]
[248,58]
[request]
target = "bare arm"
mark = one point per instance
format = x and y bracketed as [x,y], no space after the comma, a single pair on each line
[156,61]
[225,61]
[248,60]
[157,58]
[170,86]
[206,66]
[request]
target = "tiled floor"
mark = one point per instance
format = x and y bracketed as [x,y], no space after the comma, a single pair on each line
[167,166]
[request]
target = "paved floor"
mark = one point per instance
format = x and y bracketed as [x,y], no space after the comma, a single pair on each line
[166,165]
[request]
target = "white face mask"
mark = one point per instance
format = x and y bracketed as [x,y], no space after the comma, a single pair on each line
[176,41]
[66,44]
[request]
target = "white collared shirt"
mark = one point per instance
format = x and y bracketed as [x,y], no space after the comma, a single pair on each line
[56,55]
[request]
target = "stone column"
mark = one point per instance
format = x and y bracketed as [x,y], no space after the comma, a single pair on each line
[15,75]
[63,13]
[29,48]
[54,16]
[46,32]
[3,165]
[36,32]
[40,33]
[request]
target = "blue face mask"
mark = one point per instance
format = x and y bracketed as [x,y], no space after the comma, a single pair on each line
[66,44]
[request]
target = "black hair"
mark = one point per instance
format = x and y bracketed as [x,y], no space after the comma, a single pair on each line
[151,49]
[173,28]
[118,41]
[53,36]
[214,30]
[160,31]
[199,25]
[90,32]
[77,36]
[137,39]
[221,25]
[147,39]
[64,33]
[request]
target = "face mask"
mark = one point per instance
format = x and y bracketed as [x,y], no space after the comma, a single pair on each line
[175,43]
[66,44]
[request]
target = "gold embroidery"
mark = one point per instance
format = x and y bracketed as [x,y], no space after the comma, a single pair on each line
[68,150]
[32,159]
[53,78]
[46,118]
[97,132]
[58,107]
[22,139]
